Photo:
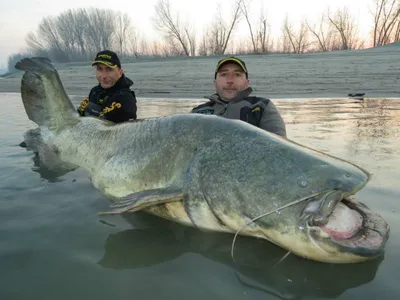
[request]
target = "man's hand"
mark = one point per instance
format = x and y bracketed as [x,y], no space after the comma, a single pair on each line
[82,106]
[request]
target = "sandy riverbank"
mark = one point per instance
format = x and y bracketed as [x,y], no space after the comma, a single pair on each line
[375,72]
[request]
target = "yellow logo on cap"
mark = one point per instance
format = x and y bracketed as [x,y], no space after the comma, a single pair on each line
[105,56]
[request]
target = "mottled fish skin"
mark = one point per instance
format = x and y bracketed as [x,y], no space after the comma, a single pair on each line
[227,171]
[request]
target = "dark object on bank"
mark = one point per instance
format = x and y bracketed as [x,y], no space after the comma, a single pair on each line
[358,96]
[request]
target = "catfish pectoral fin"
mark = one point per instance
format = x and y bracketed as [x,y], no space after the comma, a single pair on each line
[140,200]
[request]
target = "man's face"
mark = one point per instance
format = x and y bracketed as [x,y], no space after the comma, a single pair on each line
[230,80]
[107,76]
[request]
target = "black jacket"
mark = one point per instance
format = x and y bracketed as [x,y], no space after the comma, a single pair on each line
[260,112]
[116,104]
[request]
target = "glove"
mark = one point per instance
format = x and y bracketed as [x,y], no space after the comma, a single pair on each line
[82,106]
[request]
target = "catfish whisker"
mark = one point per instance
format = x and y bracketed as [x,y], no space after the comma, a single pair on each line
[282,259]
[268,213]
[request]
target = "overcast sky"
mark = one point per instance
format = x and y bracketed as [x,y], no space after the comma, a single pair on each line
[19,17]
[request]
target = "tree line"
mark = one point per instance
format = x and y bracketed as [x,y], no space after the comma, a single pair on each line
[77,34]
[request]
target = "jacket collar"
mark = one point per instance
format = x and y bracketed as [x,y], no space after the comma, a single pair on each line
[123,82]
[240,96]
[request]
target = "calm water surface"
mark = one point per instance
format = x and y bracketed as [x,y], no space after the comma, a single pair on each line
[54,246]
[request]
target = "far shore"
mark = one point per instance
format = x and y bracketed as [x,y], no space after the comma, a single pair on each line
[375,72]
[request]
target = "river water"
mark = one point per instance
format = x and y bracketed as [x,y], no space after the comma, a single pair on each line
[53,245]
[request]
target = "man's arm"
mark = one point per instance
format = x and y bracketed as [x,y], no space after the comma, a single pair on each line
[82,106]
[122,108]
[272,121]
[203,107]
[196,109]
[85,102]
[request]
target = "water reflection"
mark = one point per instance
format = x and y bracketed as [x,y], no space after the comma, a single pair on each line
[294,278]
[46,161]
[376,129]
[377,119]
[366,127]
[148,108]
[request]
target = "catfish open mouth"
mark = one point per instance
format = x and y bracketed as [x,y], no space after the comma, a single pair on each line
[353,226]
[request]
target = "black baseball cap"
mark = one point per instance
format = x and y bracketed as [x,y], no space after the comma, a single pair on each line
[108,58]
[234,60]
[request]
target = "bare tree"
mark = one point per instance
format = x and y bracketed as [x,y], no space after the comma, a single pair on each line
[220,33]
[135,44]
[48,31]
[203,46]
[396,35]
[263,36]
[33,42]
[123,27]
[322,33]
[243,47]
[259,34]
[191,38]
[77,34]
[47,41]
[155,49]
[172,48]
[145,47]
[161,50]
[79,29]
[345,27]
[244,9]
[386,22]
[65,28]
[99,30]
[173,29]
[298,40]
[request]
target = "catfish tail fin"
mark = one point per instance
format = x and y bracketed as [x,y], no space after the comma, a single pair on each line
[44,97]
